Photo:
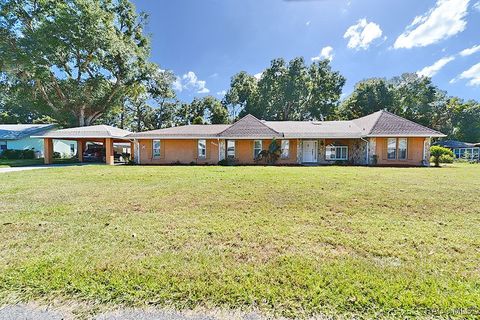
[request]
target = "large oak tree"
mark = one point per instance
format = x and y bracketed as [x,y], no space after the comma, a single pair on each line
[74,59]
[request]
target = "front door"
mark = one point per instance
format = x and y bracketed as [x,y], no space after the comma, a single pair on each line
[309,151]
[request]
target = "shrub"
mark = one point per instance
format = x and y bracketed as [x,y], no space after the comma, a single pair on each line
[57,155]
[271,155]
[437,152]
[18,154]
[226,162]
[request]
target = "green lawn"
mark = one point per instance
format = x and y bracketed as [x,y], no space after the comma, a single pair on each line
[292,241]
[5,163]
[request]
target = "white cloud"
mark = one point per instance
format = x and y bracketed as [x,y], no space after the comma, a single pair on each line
[444,20]
[177,85]
[472,74]
[470,51]
[432,70]
[308,23]
[476,5]
[362,34]
[189,81]
[258,75]
[222,93]
[325,53]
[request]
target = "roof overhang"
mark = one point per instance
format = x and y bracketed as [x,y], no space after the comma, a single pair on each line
[60,137]
[437,135]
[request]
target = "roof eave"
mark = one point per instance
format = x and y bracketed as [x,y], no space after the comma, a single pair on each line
[423,135]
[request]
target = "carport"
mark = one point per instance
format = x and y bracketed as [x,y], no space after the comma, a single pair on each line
[106,135]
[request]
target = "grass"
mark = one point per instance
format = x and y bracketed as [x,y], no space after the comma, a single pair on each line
[5,163]
[291,241]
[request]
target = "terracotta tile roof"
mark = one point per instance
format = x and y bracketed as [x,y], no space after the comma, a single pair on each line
[100,131]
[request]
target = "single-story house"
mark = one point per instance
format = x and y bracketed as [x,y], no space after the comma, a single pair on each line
[381,138]
[462,149]
[18,137]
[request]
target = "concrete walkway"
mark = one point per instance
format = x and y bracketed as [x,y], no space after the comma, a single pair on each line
[35,312]
[26,168]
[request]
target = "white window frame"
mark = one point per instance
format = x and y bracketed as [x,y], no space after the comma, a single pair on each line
[257,149]
[406,149]
[202,151]
[156,154]
[229,156]
[285,149]
[394,149]
[331,153]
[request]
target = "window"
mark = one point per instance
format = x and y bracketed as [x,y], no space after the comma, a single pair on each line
[402,148]
[476,153]
[231,149]
[336,153]
[156,148]
[72,148]
[3,145]
[457,153]
[257,148]
[285,149]
[202,149]
[392,149]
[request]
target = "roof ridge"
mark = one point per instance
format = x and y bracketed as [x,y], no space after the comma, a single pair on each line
[248,116]
[380,112]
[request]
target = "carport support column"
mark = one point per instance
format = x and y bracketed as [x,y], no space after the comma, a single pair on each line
[109,151]
[80,150]
[132,151]
[48,151]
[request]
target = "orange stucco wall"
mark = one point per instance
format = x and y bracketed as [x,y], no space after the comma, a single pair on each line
[185,151]
[244,151]
[414,152]
[177,151]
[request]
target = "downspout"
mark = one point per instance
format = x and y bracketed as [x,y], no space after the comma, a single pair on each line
[368,147]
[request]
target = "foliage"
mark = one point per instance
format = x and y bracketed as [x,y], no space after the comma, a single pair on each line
[436,152]
[73,59]
[17,154]
[369,96]
[300,242]
[227,162]
[198,120]
[417,99]
[272,154]
[292,91]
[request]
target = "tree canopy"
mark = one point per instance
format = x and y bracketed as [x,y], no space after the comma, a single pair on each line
[287,91]
[73,59]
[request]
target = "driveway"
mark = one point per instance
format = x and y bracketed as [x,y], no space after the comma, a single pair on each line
[26,168]
[35,312]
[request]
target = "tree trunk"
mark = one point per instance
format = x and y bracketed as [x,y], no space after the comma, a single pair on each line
[81,117]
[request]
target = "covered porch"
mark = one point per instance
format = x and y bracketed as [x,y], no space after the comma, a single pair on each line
[103,135]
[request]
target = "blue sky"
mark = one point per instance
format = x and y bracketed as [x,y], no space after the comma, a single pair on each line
[205,42]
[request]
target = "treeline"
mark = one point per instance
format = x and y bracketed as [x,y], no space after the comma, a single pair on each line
[295,91]
[80,63]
